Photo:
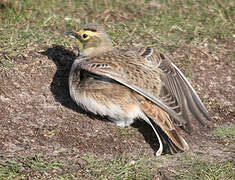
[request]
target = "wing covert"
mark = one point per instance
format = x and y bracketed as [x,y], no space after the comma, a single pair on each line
[156,78]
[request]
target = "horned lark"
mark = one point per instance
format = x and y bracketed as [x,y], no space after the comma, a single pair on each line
[128,84]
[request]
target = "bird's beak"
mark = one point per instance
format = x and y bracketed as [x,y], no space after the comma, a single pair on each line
[76,37]
[73,35]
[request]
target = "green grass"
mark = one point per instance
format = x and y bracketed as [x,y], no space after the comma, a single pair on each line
[6,63]
[124,167]
[120,168]
[200,169]
[25,167]
[34,26]
[226,132]
[30,23]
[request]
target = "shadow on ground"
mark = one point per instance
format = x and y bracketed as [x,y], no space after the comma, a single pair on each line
[63,59]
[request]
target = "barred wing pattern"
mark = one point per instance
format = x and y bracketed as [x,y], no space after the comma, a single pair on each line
[166,86]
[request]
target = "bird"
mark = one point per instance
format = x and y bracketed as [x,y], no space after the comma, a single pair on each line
[127,84]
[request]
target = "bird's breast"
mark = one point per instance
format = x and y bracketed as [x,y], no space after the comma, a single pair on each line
[106,98]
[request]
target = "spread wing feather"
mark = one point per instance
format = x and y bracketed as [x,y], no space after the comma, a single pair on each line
[117,77]
[174,93]
[177,84]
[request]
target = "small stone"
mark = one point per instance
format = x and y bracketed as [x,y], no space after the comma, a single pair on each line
[4,99]
[132,162]
[228,78]
[67,18]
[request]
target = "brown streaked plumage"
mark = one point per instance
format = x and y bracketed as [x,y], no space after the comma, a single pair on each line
[127,84]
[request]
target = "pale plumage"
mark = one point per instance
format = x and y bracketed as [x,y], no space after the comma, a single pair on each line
[126,84]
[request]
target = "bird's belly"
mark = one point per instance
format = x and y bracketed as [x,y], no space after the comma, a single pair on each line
[108,99]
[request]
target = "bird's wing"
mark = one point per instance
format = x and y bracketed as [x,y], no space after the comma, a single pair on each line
[154,76]
[163,120]
[176,90]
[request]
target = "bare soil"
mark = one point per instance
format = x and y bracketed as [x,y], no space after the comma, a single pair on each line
[37,114]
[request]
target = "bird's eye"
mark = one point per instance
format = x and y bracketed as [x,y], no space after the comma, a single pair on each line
[84,36]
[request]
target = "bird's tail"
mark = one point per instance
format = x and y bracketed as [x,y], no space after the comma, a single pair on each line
[168,135]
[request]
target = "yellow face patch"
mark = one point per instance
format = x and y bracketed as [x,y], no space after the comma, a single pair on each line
[80,46]
[89,33]
[84,36]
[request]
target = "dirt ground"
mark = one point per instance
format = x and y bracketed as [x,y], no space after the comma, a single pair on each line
[37,114]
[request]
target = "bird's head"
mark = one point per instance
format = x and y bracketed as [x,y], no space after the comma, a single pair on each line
[92,40]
